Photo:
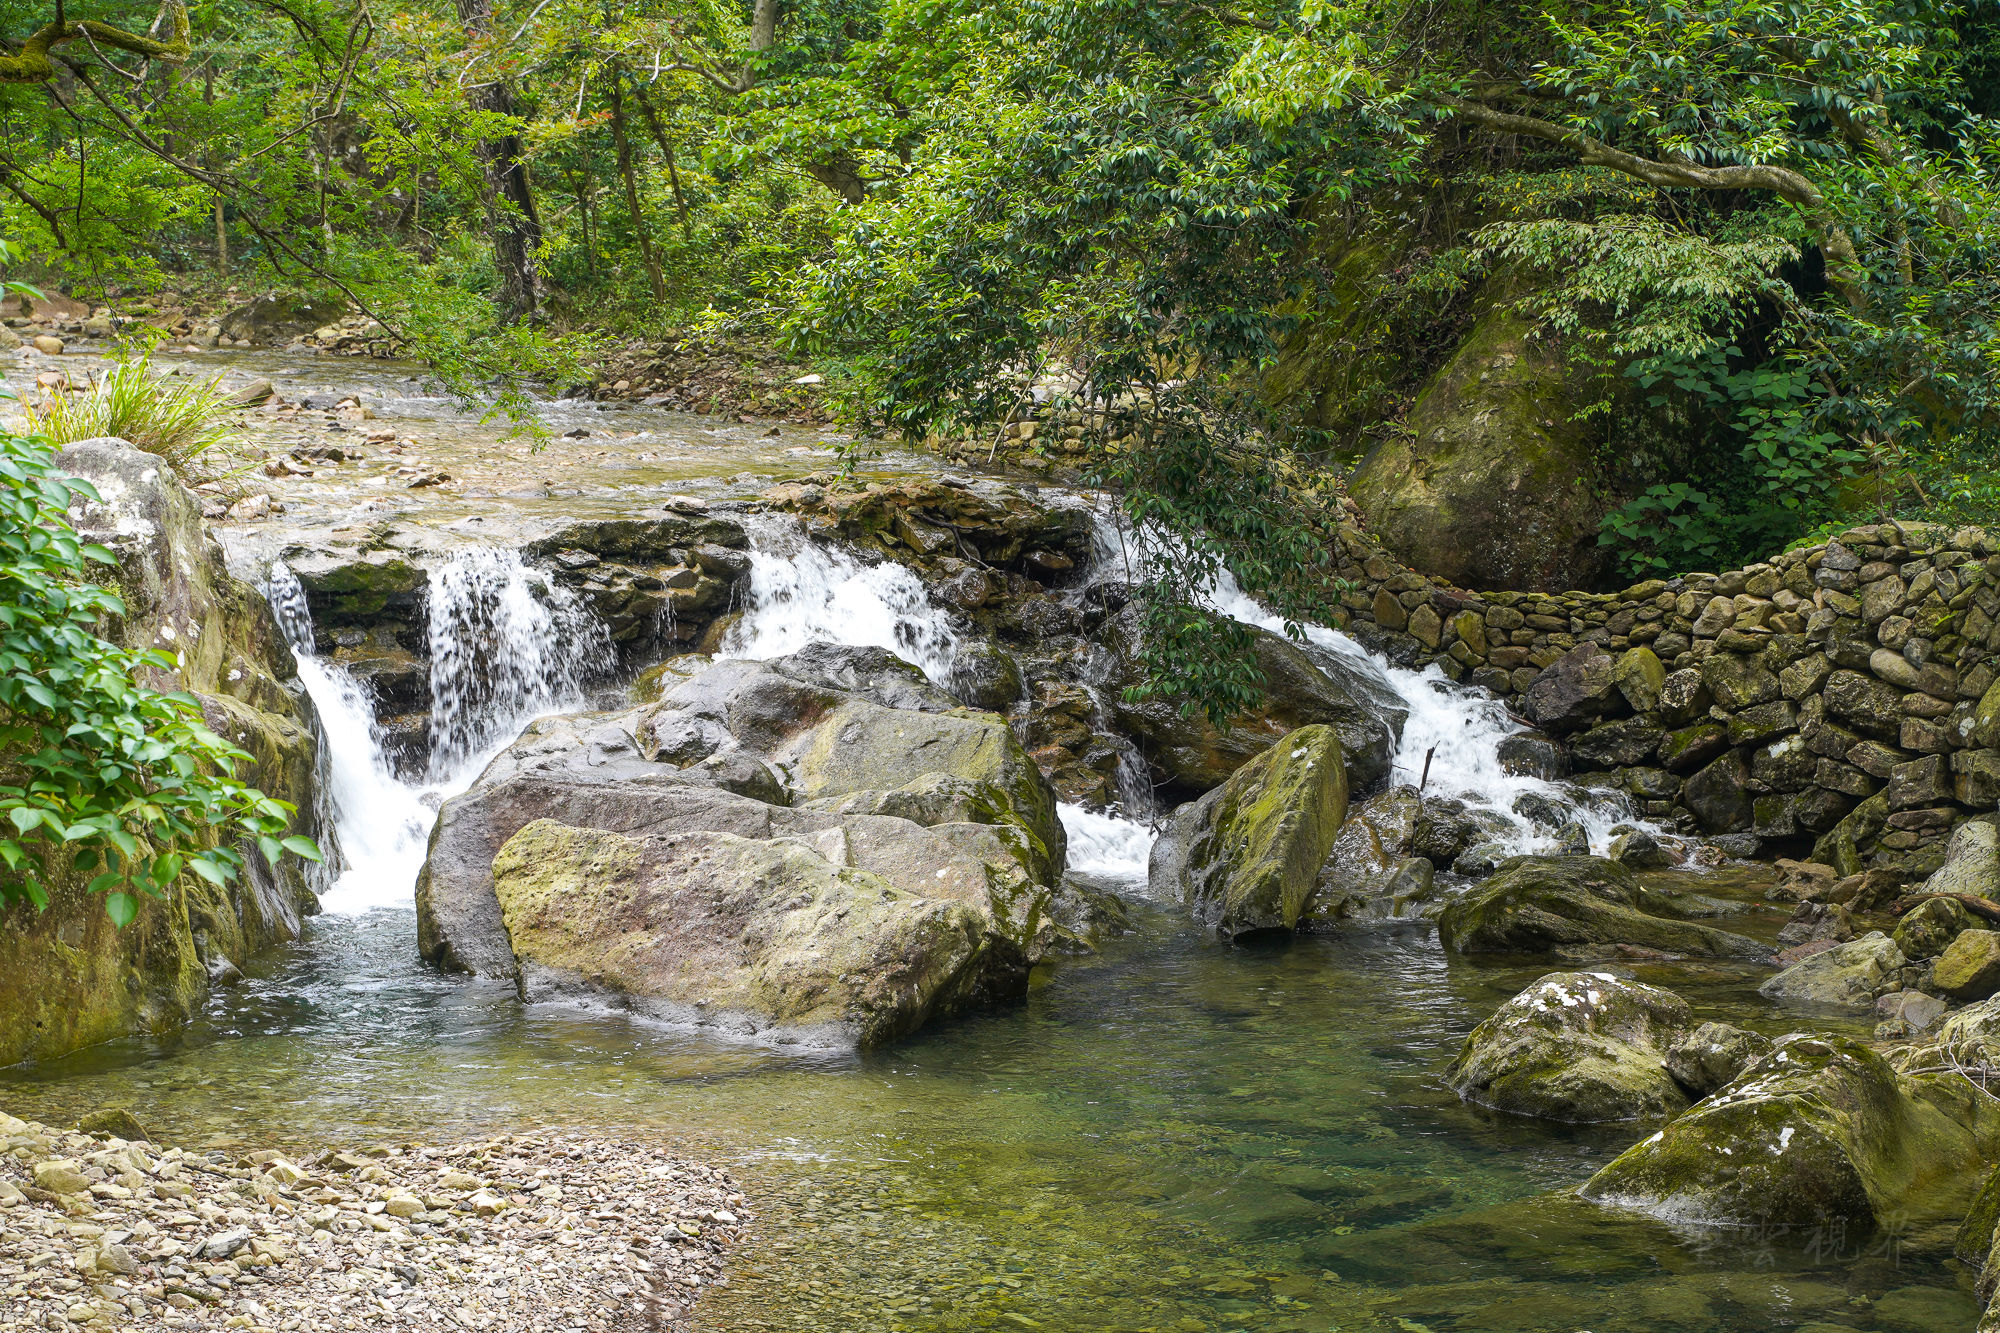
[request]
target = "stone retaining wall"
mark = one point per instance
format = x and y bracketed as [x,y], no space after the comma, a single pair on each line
[1842,693]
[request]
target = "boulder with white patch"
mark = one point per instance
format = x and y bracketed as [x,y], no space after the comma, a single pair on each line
[1822,1132]
[1580,1047]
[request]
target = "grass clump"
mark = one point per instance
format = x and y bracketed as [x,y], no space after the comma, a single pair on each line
[178,419]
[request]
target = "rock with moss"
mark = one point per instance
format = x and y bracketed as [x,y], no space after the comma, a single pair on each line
[1577,907]
[1971,862]
[67,978]
[1371,871]
[1969,967]
[937,801]
[1928,929]
[1713,1055]
[1821,1132]
[1579,1047]
[1304,685]
[1245,857]
[1496,483]
[1848,976]
[764,938]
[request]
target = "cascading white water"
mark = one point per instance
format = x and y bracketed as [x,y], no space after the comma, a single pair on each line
[486,626]
[801,592]
[507,643]
[1454,729]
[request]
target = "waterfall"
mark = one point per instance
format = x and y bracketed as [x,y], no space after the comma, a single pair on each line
[507,644]
[1456,729]
[507,657]
[801,592]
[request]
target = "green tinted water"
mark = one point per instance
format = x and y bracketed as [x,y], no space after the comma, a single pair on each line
[1173,1136]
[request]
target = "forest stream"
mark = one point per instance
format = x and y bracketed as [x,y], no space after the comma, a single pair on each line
[1174,1134]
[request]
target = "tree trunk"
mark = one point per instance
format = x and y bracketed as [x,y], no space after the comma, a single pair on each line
[624,145]
[666,150]
[510,199]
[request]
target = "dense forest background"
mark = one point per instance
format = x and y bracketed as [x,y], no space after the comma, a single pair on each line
[1728,262]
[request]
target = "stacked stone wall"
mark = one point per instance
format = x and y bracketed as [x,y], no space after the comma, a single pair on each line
[1841,693]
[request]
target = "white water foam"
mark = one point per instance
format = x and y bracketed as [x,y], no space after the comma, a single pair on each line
[382,824]
[1453,731]
[801,593]
[1107,846]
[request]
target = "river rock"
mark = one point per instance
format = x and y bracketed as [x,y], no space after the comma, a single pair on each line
[1712,1056]
[754,937]
[1971,861]
[1928,928]
[1573,691]
[1245,857]
[1821,1132]
[1579,1047]
[1847,976]
[940,802]
[1304,686]
[1576,906]
[1969,968]
[1370,870]
[276,316]
[984,675]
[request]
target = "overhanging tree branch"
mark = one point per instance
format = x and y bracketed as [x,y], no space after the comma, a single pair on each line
[1843,266]
[34,64]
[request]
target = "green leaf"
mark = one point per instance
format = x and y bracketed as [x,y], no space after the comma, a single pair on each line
[122,908]
[304,847]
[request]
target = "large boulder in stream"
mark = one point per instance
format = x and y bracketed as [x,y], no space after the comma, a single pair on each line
[68,979]
[1581,907]
[1579,1047]
[1304,685]
[1245,857]
[1821,1132]
[910,836]
[1848,976]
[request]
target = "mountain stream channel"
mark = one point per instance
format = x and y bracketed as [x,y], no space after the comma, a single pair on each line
[1174,1134]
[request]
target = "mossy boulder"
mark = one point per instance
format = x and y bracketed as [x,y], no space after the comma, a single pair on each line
[67,978]
[1579,1047]
[1847,976]
[1928,929]
[1244,858]
[1969,967]
[1822,1132]
[1494,484]
[1713,1055]
[755,937]
[1578,907]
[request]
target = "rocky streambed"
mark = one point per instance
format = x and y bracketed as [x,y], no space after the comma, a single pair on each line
[797,812]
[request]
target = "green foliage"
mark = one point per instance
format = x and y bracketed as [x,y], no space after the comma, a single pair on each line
[179,419]
[101,777]
[1789,475]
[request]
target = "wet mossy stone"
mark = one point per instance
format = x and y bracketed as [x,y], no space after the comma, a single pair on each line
[1969,968]
[1847,976]
[1927,929]
[1579,1047]
[1822,1132]
[1576,906]
[1713,1056]
[1245,857]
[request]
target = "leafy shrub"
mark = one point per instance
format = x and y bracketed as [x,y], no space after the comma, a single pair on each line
[99,775]
[178,419]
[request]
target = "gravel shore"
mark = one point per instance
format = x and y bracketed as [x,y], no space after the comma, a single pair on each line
[537,1231]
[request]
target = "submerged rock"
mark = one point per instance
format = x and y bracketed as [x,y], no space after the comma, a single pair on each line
[1580,1047]
[1821,1132]
[1577,906]
[1245,857]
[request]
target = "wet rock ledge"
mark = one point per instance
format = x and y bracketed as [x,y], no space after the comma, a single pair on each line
[526,1232]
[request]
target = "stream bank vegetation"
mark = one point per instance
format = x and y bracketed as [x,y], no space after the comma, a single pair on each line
[1761,232]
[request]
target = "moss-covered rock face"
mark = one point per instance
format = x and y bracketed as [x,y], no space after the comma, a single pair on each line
[1577,907]
[1823,1131]
[1244,858]
[1493,485]
[67,979]
[1580,1047]
[757,937]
